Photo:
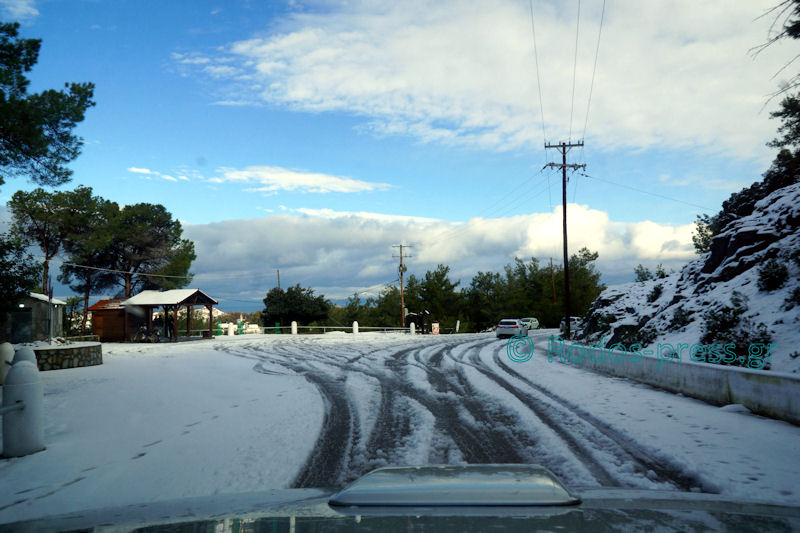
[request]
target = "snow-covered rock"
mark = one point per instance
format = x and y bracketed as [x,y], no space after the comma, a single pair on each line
[672,310]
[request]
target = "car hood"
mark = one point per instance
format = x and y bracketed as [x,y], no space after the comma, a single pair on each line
[444,498]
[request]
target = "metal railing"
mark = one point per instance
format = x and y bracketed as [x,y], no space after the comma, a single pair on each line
[83,338]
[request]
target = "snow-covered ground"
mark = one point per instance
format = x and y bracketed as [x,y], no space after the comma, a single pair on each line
[250,413]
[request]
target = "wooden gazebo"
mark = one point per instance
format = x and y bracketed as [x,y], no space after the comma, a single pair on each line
[171,301]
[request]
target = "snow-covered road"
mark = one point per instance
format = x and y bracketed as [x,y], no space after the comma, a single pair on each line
[250,413]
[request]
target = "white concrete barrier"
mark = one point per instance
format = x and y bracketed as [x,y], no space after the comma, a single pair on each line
[355,326]
[761,391]
[294,327]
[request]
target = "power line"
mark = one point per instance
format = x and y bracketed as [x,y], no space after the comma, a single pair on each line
[574,67]
[538,79]
[647,192]
[594,69]
[125,271]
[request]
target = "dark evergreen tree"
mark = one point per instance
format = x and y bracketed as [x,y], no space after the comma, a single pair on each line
[36,138]
[294,304]
[147,244]
[19,272]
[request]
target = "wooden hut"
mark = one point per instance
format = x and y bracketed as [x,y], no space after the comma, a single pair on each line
[145,302]
[110,323]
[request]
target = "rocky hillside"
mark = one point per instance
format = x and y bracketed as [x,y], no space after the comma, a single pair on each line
[744,292]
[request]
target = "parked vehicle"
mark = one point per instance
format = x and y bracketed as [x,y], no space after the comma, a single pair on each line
[574,324]
[531,323]
[508,327]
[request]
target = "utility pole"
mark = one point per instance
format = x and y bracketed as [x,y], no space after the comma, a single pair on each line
[279,279]
[564,147]
[402,270]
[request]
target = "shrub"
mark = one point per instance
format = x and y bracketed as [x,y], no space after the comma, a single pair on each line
[727,325]
[628,335]
[772,275]
[720,321]
[680,317]
[642,273]
[792,300]
[655,293]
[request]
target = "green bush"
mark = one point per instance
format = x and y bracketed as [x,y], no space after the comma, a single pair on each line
[629,335]
[680,317]
[792,300]
[655,293]
[727,325]
[772,275]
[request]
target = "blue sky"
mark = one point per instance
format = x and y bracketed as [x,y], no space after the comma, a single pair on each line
[312,136]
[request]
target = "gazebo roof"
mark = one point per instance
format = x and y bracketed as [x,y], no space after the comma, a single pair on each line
[173,297]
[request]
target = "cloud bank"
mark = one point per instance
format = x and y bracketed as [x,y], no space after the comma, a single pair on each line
[341,253]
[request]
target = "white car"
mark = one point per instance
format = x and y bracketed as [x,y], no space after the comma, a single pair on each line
[531,322]
[508,327]
[574,324]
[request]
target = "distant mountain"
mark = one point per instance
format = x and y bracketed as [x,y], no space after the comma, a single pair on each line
[744,292]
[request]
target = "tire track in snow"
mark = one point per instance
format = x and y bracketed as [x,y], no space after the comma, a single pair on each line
[571,419]
[482,431]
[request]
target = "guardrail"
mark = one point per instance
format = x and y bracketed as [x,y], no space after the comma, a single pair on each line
[83,338]
[303,330]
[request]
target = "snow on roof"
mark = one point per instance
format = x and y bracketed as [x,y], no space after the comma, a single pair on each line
[173,297]
[101,305]
[45,298]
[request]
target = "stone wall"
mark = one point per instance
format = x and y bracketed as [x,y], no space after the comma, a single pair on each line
[69,356]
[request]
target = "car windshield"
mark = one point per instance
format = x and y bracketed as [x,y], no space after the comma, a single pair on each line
[274,246]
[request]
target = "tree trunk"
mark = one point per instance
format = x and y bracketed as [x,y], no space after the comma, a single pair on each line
[85,306]
[45,273]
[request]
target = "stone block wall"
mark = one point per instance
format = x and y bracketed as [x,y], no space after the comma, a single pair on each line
[85,354]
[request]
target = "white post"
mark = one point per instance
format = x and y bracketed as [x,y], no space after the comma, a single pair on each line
[23,426]
[355,326]
[412,328]
[6,357]
[458,323]
[294,327]
[231,329]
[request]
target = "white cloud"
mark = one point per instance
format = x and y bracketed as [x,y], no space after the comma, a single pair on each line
[19,9]
[137,170]
[670,73]
[146,173]
[330,213]
[340,253]
[274,179]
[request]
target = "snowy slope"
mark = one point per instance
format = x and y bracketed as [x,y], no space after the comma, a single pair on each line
[634,312]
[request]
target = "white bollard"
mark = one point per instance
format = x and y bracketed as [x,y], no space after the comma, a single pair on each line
[412,328]
[231,329]
[6,357]
[458,323]
[23,428]
[294,327]
[355,326]
[25,353]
